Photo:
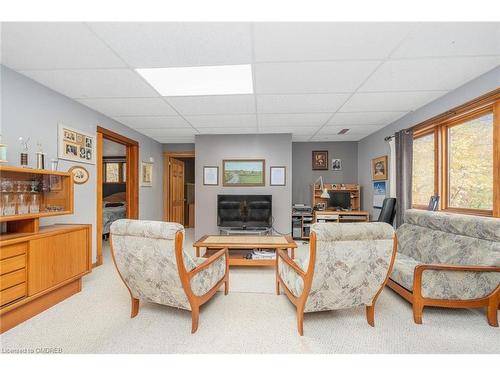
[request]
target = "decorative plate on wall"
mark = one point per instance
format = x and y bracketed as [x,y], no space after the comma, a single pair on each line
[80,174]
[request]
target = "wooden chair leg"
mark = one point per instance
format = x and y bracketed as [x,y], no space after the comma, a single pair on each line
[195,315]
[492,312]
[370,315]
[277,286]
[300,321]
[226,286]
[135,307]
[418,309]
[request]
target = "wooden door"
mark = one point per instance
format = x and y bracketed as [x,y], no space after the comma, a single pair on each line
[176,191]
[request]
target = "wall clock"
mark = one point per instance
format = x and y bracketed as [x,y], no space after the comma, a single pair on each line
[80,174]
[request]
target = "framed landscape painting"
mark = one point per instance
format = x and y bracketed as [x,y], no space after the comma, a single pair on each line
[243,172]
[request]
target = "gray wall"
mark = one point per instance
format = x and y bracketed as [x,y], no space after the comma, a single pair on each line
[374,145]
[276,149]
[31,110]
[176,147]
[305,176]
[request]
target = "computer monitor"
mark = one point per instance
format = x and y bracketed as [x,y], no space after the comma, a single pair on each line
[340,199]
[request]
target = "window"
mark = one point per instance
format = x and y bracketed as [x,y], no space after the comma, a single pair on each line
[457,155]
[470,164]
[424,169]
[114,172]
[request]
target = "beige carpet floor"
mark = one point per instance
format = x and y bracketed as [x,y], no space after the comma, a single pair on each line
[251,319]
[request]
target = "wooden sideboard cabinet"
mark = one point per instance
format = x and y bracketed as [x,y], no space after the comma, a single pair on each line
[39,266]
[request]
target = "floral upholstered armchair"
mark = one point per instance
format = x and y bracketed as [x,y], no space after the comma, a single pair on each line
[150,260]
[448,260]
[348,266]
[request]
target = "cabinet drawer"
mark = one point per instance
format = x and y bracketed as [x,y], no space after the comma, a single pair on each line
[13,250]
[12,278]
[11,294]
[12,264]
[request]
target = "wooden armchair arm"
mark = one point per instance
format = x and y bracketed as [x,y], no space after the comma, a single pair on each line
[284,256]
[419,270]
[210,260]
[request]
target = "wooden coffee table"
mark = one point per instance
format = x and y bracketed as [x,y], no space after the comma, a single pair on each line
[238,246]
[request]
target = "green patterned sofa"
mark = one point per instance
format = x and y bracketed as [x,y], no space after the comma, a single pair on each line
[448,260]
[153,265]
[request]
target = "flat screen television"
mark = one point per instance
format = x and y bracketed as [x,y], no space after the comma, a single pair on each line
[244,211]
[339,200]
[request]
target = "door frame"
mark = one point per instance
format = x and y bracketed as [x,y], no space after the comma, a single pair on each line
[131,182]
[166,174]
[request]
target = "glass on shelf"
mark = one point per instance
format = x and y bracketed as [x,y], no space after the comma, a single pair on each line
[35,203]
[23,204]
[8,204]
[7,185]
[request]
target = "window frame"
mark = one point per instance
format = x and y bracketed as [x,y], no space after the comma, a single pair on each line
[439,125]
[460,120]
[434,131]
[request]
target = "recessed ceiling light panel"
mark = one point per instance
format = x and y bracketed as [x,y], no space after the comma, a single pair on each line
[200,80]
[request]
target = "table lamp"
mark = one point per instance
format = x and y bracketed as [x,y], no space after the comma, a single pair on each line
[324,192]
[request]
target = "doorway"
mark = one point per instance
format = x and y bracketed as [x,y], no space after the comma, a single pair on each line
[179,182]
[127,175]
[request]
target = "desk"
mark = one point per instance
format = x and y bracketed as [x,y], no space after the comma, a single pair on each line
[341,216]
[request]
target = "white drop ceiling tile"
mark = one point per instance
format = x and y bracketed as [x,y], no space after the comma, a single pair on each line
[214,104]
[169,44]
[338,138]
[300,138]
[159,122]
[293,120]
[129,106]
[98,83]
[54,45]
[390,101]
[297,130]
[154,133]
[360,129]
[223,121]
[311,77]
[229,130]
[169,139]
[300,103]
[428,74]
[433,39]
[365,118]
[296,41]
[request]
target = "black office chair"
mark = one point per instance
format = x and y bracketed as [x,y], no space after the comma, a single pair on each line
[388,211]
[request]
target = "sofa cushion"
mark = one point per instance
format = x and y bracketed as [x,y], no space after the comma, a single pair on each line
[486,228]
[403,269]
[444,284]
[435,246]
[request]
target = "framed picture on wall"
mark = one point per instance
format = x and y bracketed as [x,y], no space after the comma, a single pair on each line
[146,174]
[320,160]
[379,168]
[211,176]
[75,145]
[278,176]
[243,172]
[336,164]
